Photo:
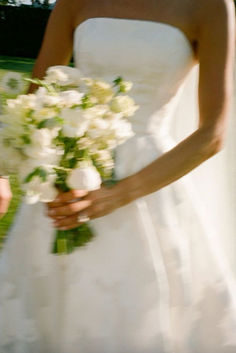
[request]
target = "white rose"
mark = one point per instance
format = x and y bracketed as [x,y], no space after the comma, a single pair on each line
[30,164]
[28,101]
[44,99]
[122,130]
[41,155]
[44,113]
[14,132]
[42,137]
[94,112]
[102,91]
[84,178]
[124,104]
[97,127]
[70,98]
[48,191]
[75,123]
[37,190]
[41,147]
[15,110]
[70,131]
[63,75]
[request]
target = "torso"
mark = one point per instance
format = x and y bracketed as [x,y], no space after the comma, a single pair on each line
[177,13]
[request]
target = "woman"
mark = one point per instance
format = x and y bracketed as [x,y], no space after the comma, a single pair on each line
[153,279]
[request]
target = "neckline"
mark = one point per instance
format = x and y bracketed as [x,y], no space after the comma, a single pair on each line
[174,28]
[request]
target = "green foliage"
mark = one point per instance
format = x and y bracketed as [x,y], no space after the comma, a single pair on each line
[67,241]
[40,172]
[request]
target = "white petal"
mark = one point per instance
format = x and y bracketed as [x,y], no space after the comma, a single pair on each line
[86,178]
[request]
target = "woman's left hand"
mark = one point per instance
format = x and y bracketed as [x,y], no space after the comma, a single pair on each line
[73,208]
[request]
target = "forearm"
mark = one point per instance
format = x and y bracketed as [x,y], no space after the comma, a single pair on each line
[172,165]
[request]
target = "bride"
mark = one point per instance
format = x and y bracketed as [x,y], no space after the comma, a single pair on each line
[154,279]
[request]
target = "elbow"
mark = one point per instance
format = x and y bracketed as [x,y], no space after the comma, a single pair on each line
[214,140]
[218,145]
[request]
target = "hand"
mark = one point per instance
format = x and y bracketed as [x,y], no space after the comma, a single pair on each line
[5,196]
[68,206]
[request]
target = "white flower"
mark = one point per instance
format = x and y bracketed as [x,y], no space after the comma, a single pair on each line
[13,133]
[42,137]
[30,164]
[37,190]
[98,127]
[12,83]
[43,98]
[126,86]
[70,98]
[63,75]
[104,158]
[98,110]
[122,130]
[85,142]
[44,113]
[16,109]
[41,155]
[27,101]
[84,178]
[75,124]
[102,91]
[41,147]
[124,104]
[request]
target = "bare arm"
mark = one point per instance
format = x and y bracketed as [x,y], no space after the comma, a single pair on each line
[216,58]
[57,43]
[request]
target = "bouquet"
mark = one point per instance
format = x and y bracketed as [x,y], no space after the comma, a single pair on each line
[63,137]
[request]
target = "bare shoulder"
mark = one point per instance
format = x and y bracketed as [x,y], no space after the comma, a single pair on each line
[69,9]
[78,7]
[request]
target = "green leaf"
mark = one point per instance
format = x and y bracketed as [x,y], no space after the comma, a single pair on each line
[67,241]
[122,88]
[86,103]
[40,172]
[118,81]
[36,81]
[72,162]
[26,139]
[50,123]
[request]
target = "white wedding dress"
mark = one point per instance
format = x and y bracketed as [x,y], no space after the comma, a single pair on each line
[153,280]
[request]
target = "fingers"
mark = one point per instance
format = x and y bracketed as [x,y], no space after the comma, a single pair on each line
[5,196]
[67,197]
[69,222]
[69,209]
[4,203]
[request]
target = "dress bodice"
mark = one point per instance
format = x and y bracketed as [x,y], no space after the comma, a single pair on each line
[155,56]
